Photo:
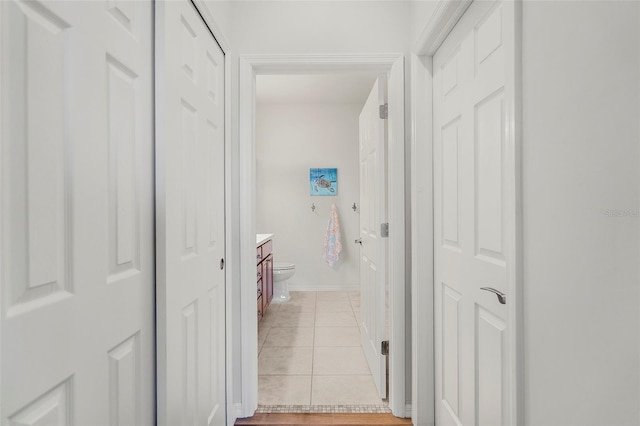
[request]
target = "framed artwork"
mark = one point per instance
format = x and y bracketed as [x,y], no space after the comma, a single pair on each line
[323,181]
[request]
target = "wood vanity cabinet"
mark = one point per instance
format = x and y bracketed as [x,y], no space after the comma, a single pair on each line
[264,273]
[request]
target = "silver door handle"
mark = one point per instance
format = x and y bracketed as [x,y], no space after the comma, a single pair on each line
[502,298]
[358,241]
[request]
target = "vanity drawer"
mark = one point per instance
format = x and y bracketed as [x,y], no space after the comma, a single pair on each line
[259,272]
[267,248]
[259,255]
[259,308]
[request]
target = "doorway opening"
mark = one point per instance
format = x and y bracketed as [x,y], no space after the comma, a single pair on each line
[347,296]
[312,198]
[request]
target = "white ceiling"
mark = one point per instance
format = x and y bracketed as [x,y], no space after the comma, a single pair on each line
[326,88]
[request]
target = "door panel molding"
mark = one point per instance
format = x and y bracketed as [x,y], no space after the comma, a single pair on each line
[76,213]
[250,66]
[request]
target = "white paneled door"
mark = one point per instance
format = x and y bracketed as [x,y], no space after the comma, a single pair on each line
[190,218]
[373,247]
[77,255]
[473,230]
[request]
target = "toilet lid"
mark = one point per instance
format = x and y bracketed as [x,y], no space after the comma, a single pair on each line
[283,265]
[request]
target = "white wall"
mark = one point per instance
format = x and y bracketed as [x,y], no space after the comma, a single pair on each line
[221,11]
[581,159]
[581,167]
[319,27]
[290,139]
[421,12]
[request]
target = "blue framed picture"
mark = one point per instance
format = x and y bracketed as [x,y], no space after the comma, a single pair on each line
[323,181]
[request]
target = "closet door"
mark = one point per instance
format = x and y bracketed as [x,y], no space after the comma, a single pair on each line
[190,221]
[77,254]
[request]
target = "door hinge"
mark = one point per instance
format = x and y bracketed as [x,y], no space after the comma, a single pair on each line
[384,111]
[384,230]
[384,347]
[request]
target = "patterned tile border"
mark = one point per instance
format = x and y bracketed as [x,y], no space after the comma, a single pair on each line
[379,408]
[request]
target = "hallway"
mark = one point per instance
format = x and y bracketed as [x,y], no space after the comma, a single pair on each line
[128,214]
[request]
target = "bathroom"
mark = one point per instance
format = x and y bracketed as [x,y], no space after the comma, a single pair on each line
[310,354]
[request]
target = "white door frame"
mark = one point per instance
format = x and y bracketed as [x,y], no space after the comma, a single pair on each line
[444,18]
[206,14]
[250,66]
[3,69]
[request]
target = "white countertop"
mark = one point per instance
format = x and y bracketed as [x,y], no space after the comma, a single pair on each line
[262,238]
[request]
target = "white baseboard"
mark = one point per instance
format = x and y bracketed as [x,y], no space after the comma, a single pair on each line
[324,287]
[407,411]
[234,413]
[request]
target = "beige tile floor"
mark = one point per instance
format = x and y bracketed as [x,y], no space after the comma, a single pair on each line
[310,353]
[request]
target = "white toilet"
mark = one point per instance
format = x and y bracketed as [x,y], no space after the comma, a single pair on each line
[282,271]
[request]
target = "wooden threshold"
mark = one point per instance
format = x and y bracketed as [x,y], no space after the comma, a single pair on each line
[333,419]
